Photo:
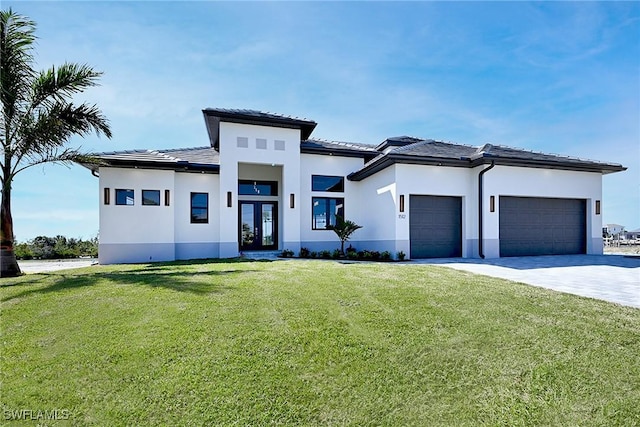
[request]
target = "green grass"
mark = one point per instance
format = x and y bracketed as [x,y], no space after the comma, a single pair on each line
[312,343]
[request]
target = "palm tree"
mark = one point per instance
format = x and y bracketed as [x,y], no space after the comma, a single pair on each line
[38,117]
[344,229]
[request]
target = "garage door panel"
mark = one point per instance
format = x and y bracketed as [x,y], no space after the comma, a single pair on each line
[542,226]
[435,224]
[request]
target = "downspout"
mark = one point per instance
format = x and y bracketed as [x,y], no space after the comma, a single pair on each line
[480,188]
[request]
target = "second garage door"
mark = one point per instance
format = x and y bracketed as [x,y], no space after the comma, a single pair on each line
[542,226]
[435,224]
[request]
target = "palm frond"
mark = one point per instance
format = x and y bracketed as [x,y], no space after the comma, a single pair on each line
[63,156]
[16,62]
[58,84]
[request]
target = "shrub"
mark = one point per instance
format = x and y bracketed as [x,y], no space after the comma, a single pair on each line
[351,249]
[304,253]
[352,255]
[325,254]
[400,255]
[23,251]
[344,229]
[366,255]
[386,255]
[335,254]
[313,254]
[287,253]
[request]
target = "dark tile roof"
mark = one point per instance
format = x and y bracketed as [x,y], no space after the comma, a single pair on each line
[446,153]
[215,115]
[199,158]
[321,146]
[256,114]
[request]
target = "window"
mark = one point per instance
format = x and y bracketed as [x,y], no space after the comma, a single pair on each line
[261,144]
[278,144]
[151,197]
[124,197]
[257,188]
[242,142]
[107,196]
[325,210]
[199,208]
[167,198]
[334,184]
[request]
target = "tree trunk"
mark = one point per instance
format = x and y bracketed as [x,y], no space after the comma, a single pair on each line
[8,262]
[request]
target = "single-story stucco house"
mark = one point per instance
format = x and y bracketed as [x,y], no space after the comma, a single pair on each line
[264,184]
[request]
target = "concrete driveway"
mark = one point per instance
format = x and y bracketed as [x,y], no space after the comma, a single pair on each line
[614,278]
[41,266]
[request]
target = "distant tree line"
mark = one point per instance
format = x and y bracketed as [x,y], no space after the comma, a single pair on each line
[43,247]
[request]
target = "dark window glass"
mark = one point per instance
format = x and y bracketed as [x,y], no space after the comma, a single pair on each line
[199,208]
[334,184]
[325,210]
[151,197]
[257,188]
[124,197]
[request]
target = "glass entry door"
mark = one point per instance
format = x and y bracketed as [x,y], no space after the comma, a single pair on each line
[258,225]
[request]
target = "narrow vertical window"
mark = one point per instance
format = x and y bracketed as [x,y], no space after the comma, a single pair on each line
[199,208]
[402,203]
[107,195]
[167,198]
[597,207]
[292,200]
[492,204]
[229,199]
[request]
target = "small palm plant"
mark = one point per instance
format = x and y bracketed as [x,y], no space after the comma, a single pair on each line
[344,229]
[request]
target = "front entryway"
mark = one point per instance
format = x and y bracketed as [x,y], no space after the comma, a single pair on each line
[258,225]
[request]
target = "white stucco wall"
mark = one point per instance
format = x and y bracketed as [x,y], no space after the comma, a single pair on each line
[287,161]
[421,180]
[135,233]
[534,182]
[313,164]
[378,212]
[196,240]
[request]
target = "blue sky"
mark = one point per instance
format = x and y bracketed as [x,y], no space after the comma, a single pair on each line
[554,77]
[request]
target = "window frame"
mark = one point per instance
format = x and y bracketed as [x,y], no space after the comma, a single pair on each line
[128,190]
[193,218]
[328,213]
[273,185]
[150,191]
[340,189]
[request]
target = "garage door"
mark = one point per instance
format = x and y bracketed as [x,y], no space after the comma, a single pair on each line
[542,226]
[435,224]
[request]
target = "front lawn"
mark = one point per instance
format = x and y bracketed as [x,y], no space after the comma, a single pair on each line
[311,343]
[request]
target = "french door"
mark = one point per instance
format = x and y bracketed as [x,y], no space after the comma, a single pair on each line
[258,225]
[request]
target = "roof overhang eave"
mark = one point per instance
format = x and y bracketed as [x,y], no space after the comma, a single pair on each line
[175,166]
[467,162]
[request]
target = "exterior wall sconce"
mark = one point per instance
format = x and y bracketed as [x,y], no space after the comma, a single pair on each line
[107,196]
[597,207]
[402,203]
[167,199]
[229,204]
[492,203]
[292,200]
